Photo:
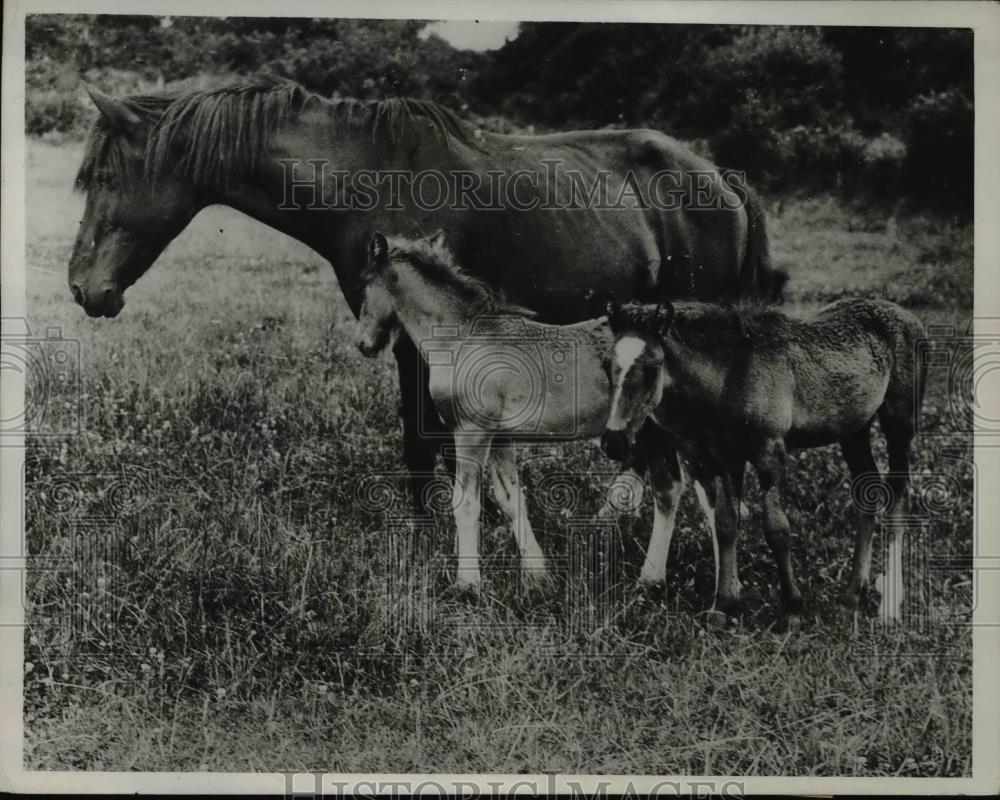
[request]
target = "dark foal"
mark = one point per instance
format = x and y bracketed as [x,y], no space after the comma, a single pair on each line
[731,386]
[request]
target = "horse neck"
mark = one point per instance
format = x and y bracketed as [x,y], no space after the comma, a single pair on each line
[423,306]
[697,370]
[281,193]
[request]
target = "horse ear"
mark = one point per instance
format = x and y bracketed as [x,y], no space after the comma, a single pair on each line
[378,250]
[664,318]
[437,238]
[611,309]
[114,111]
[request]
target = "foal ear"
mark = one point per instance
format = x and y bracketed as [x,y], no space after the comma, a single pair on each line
[663,318]
[114,111]
[437,238]
[611,308]
[378,250]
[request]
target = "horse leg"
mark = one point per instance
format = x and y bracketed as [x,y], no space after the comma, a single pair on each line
[716,497]
[423,431]
[512,501]
[898,426]
[472,451]
[770,466]
[857,452]
[667,478]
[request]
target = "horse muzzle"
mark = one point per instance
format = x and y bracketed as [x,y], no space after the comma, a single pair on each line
[369,348]
[615,444]
[107,302]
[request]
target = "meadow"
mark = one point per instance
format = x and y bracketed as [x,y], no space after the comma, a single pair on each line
[228,579]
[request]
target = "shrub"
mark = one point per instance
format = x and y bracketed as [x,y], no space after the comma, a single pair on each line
[938,168]
[54,111]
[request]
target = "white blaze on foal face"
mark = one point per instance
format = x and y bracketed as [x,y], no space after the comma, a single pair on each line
[637,381]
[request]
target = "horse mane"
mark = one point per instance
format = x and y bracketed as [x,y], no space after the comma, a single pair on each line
[709,326]
[436,263]
[213,134]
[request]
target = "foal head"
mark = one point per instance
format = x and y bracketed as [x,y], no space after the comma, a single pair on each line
[377,323]
[385,283]
[412,282]
[637,371]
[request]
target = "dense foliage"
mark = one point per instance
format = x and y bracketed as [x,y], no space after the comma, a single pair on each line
[877,112]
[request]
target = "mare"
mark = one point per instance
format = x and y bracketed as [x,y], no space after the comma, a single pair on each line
[732,386]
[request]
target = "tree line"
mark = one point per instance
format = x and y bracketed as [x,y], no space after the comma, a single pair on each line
[884,114]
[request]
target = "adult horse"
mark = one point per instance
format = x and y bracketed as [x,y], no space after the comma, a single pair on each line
[542,218]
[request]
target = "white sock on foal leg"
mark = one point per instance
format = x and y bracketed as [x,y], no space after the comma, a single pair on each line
[890,582]
[511,499]
[709,510]
[654,568]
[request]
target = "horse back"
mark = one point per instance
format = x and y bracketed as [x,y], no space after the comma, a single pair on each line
[528,379]
[847,360]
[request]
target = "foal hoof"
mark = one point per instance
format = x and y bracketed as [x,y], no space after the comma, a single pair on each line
[536,581]
[467,591]
[718,619]
[850,600]
[792,623]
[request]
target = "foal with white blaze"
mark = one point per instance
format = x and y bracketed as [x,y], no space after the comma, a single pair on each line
[732,386]
[494,373]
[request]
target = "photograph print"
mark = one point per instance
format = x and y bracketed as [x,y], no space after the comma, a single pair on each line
[455,397]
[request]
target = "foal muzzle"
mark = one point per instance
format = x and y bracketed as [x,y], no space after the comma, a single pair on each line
[615,444]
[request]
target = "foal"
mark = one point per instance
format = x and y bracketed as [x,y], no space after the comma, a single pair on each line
[496,374]
[734,386]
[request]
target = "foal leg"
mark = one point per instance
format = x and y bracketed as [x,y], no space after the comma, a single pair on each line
[472,450]
[857,452]
[716,497]
[770,465]
[898,426]
[512,501]
[667,477]
[650,443]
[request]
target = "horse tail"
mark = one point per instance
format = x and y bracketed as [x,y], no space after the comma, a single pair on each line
[758,277]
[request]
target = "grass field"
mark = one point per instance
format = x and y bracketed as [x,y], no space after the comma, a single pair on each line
[222,595]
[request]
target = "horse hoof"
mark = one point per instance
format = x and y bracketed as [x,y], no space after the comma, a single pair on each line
[535,580]
[717,619]
[792,623]
[467,590]
[890,613]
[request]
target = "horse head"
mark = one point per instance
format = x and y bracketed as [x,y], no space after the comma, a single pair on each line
[637,371]
[129,218]
[377,323]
